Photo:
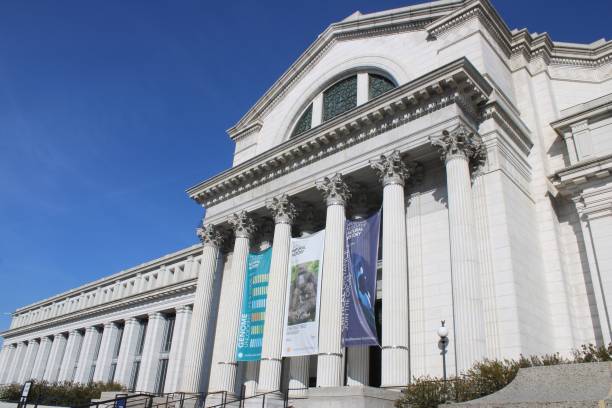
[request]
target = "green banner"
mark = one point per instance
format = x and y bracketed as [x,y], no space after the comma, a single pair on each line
[250,334]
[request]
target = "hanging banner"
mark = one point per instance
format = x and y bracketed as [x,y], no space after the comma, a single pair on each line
[250,334]
[303,297]
[359,286]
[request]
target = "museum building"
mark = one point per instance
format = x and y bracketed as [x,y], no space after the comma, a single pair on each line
[489,151]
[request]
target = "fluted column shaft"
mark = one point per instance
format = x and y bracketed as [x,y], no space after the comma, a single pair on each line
[330,370]
[86,356]
[42,357]
[329,367]
[127,350]
[271,354]
[107,343]
[9,357]
[199,338]
[28,362]
[228,364]
[458,147]
[468,310]
[58,348]
[357,366]
[176,359]
[395,341]
[298,376]
[16,364]
[150,353]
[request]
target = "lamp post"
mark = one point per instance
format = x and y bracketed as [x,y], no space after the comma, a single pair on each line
[443,334]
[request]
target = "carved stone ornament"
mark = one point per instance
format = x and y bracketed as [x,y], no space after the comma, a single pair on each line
[283,209]
[392,169]
[461,142]
[210,235]
[242,224]
[334,190]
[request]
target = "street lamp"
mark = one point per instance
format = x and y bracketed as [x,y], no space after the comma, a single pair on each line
[443,334]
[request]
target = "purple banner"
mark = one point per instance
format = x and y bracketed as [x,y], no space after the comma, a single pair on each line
[359,286]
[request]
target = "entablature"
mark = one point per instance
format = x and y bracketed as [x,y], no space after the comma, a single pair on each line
[455,83]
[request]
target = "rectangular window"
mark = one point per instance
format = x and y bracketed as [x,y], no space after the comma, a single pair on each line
[162,370]
[168,333]
[134,376]
[96,352]
[79,340]
[141,337]
[113,369]
[117,346]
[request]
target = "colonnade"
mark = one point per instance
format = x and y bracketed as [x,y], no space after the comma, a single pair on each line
[121,350]
[459,150]
[106,352]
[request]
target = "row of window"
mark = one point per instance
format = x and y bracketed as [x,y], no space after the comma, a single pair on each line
[341,97]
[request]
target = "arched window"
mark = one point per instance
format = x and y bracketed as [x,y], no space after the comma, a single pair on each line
[304,123]
[341,97]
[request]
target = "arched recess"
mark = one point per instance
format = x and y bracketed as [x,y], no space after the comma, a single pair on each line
[371,64]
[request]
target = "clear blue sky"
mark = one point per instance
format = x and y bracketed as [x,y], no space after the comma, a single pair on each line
[110,109]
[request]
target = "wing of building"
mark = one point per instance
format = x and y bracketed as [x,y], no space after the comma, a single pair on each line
[489,151]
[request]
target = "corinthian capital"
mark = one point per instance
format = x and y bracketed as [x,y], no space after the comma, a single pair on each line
[242,224]
[283,209]
[210,235]
[334,190]
[392,169]
[460,142]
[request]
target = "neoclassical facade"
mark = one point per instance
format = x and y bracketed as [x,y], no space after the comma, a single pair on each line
[489,151]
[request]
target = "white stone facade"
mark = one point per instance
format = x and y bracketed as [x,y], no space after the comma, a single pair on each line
[491,158]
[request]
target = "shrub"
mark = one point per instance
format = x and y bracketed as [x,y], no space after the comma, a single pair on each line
[487,377]
[59,394]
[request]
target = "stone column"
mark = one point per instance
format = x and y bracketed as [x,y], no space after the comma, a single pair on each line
[176,359]
[458,147]
[56,356]
[10,350]
[16,364]
[284,213]
[199,339]
[42,357]
[28,362]
[243,228]
[330,370]
[127,350]
[86,356]
[395,362]
[73,348]
[4,361]
[107,343]
[150,352]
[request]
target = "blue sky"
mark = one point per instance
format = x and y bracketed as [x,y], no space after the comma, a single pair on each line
[110,109]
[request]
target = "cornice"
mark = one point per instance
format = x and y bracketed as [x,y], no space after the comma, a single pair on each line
[142,268]
[589,110]
[455,83]
[521,42]
[185,286]
[574,178]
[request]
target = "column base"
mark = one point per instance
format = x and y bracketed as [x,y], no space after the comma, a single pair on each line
[348,397]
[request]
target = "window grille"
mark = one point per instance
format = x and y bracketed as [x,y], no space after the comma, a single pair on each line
[340,97]
[378,85]
[304,123]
